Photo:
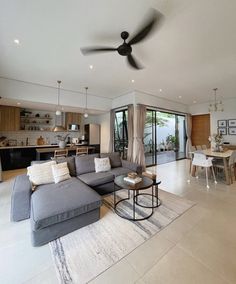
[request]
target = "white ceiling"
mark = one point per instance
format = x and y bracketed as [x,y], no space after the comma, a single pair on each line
[193,52]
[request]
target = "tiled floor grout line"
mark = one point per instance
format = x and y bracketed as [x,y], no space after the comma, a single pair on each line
[204,264]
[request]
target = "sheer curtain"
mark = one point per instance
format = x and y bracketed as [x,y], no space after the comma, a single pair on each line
[139,156]
[112,126]
[188,126]
[130,132]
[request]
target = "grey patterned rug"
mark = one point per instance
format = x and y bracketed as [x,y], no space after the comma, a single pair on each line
[82,255]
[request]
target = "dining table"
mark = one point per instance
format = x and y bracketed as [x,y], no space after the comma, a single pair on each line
[224,155]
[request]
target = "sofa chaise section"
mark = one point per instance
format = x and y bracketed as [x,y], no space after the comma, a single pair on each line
[57,209]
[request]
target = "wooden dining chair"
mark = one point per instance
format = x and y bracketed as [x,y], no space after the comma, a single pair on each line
[81,151]
[219,165]
[61,153]
[199,147]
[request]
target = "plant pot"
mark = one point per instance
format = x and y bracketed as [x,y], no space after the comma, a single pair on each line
[62,144]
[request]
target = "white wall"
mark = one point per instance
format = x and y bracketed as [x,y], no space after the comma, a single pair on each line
[228,113]
[154,101]
[17,90]
[104,121]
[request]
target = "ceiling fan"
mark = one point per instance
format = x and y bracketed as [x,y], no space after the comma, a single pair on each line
[125,49]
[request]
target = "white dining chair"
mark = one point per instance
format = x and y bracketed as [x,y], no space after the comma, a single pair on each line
[201,160]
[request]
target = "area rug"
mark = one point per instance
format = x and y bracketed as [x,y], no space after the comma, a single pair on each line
[82,255]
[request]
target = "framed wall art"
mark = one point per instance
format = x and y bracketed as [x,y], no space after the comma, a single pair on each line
[222,130]
[232,122]
[232,130]
[222,123]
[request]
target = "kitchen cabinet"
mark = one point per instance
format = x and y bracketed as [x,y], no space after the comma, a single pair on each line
[72,118]
[9,118]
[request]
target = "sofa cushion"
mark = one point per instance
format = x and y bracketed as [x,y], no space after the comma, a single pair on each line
[114,157]
[70,164]
[95,179]
[60,172]
[102,165]
[41,173]
[85,164]
[120,171]
[54,203]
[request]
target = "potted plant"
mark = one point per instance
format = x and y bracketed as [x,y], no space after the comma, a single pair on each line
[62,140]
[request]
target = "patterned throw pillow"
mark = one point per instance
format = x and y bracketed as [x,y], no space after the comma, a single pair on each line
[60,172]
[41,173]
[102,165]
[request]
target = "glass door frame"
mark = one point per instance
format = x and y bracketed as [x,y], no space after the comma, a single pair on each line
[154,133]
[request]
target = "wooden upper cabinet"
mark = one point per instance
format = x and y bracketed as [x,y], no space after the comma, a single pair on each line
[9,118]
[73,118]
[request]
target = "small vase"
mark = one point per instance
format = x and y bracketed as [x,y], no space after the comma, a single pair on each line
[62,144]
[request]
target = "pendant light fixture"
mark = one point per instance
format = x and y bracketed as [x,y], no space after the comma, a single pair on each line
[58,111]
[216,105]
[58,126]
[86,103]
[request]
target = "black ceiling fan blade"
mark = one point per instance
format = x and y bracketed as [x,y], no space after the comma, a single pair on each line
[133,63]
[90,50]
[155,18]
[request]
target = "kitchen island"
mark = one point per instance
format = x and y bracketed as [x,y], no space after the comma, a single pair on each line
[18,157]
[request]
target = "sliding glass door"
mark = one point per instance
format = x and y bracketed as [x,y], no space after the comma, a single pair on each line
[164,137]
[121,133]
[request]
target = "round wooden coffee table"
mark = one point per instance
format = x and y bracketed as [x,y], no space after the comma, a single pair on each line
[134,188]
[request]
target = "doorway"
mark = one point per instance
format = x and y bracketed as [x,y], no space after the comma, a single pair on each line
[164,137]
[200,129]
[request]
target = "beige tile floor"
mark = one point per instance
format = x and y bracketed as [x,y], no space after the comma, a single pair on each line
[199,247]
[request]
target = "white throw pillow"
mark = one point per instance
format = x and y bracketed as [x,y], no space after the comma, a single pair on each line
[60,172]
[41,173]
[102,164]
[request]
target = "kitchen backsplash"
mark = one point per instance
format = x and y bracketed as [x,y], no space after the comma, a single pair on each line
[49,137]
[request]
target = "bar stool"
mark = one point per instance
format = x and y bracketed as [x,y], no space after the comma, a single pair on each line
[61,153]
[81,151]
[154,194]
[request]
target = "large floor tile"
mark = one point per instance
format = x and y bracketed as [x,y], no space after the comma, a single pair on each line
[47,276]
[120,273]
[177,230]
[145,256]
[177,267]
[21,262]
[214,252]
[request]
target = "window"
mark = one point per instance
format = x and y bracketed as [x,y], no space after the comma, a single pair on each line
[121,132]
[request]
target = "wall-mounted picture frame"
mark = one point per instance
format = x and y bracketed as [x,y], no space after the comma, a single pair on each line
[232,130]
[232,122]
[222,130]
[222,123]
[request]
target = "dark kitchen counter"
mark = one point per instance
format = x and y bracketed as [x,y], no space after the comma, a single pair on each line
[18,157]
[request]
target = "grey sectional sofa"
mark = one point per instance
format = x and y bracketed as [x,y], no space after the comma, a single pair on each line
[57,209]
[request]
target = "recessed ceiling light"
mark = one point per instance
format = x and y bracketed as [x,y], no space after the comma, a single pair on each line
[16,41]
[18,103]
[91,66]
[194,102]
[180,97]
[132,80]
[160,90]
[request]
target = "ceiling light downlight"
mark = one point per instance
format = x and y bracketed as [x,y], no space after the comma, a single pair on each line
[17,41]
